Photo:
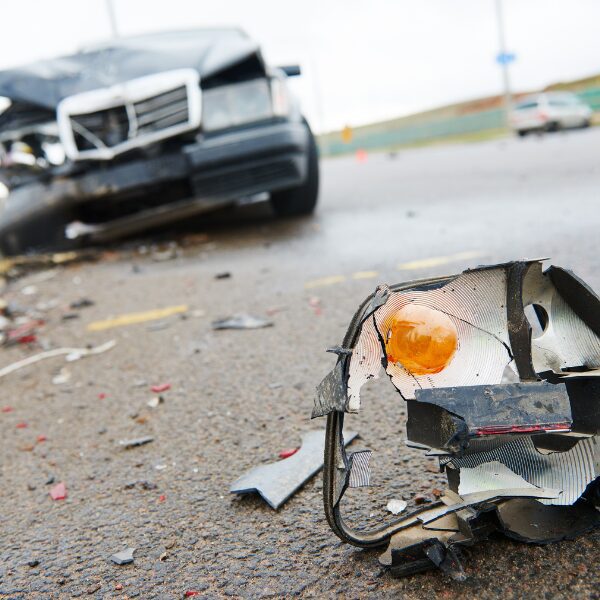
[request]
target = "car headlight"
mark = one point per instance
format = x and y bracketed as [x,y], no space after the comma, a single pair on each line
[4,192]
[242,103]
[497,370]
[4,103]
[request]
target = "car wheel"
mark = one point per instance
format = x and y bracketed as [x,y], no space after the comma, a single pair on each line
[300,200]
[522,132]
[553,126]
[587,123]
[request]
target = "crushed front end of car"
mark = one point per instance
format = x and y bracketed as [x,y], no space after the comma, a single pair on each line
[145,131]
[498,368]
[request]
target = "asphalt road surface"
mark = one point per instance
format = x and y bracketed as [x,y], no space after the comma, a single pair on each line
[238,398]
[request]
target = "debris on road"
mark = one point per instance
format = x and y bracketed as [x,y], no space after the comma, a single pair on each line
[81,303]
[396,506]
[138,317]
[124,557]
[155,401]
[64,376]
[16,266]
[315,303]
[241,321]
[134,443]
[277,482]
[71,354]
[29,290]
[58,492]
[25,333]
[21,425]
[287,452]
[513,416]
[161,387]
[223,275]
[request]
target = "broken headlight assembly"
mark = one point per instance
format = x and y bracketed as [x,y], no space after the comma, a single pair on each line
[499,368]
[243,103]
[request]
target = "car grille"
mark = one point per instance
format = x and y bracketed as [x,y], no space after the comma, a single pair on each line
[119,124]
[139,119]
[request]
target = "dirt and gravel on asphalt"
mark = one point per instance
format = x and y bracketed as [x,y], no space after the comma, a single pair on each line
[215,403]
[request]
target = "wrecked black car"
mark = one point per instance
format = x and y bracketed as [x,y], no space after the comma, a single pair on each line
[498,368]
[144,131]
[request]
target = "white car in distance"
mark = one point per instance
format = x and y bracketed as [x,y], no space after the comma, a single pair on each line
[549,111]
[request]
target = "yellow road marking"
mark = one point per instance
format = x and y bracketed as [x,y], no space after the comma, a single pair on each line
[438,260]
[332,280]
[365,275]
[138,317]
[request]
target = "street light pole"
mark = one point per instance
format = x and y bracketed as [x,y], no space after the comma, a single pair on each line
[112,18]
[503,62]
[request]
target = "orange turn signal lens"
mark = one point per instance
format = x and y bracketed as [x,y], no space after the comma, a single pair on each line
[423,340]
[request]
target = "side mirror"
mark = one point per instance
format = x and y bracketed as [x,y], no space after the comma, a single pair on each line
[291,70]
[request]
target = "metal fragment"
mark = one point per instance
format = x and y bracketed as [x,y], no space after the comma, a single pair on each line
[241,322]
[124,557]
[136,442]
[277,482]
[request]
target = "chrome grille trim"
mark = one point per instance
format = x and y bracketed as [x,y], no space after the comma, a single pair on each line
[92,124]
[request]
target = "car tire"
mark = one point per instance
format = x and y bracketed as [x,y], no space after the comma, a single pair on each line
[553,126]
[587,123]
[522,132]
[300,200]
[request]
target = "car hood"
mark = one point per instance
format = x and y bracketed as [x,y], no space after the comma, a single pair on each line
[46,83]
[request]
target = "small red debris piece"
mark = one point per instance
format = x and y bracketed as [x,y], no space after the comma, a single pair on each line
[191,593]
[162,498]
[315,303]
[119,586]
[7,409]
[421,499]
[361,155]
[101,396]
[58,492]
[21,425]
[162,387]
[41,438]
[24,334]
[287,452]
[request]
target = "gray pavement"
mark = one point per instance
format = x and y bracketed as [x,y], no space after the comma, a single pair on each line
[238,397]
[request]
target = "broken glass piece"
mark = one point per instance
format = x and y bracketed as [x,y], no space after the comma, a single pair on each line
[396,506]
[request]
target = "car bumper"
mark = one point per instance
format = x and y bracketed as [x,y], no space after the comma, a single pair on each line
[217,170]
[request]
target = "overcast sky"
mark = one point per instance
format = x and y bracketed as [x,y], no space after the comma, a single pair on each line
[363,60]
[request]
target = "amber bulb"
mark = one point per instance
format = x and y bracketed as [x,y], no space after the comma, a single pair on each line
[423,340]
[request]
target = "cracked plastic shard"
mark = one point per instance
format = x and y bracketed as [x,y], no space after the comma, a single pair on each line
[475,302]
[566,341]
[490,476]
[571,471]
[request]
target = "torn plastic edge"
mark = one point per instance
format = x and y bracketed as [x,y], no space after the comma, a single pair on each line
[332,392]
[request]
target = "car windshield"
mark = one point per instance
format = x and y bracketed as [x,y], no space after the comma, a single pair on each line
[564,101]
[527,104]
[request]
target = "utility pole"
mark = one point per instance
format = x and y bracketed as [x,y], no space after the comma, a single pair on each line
[110,9]
[504,59]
